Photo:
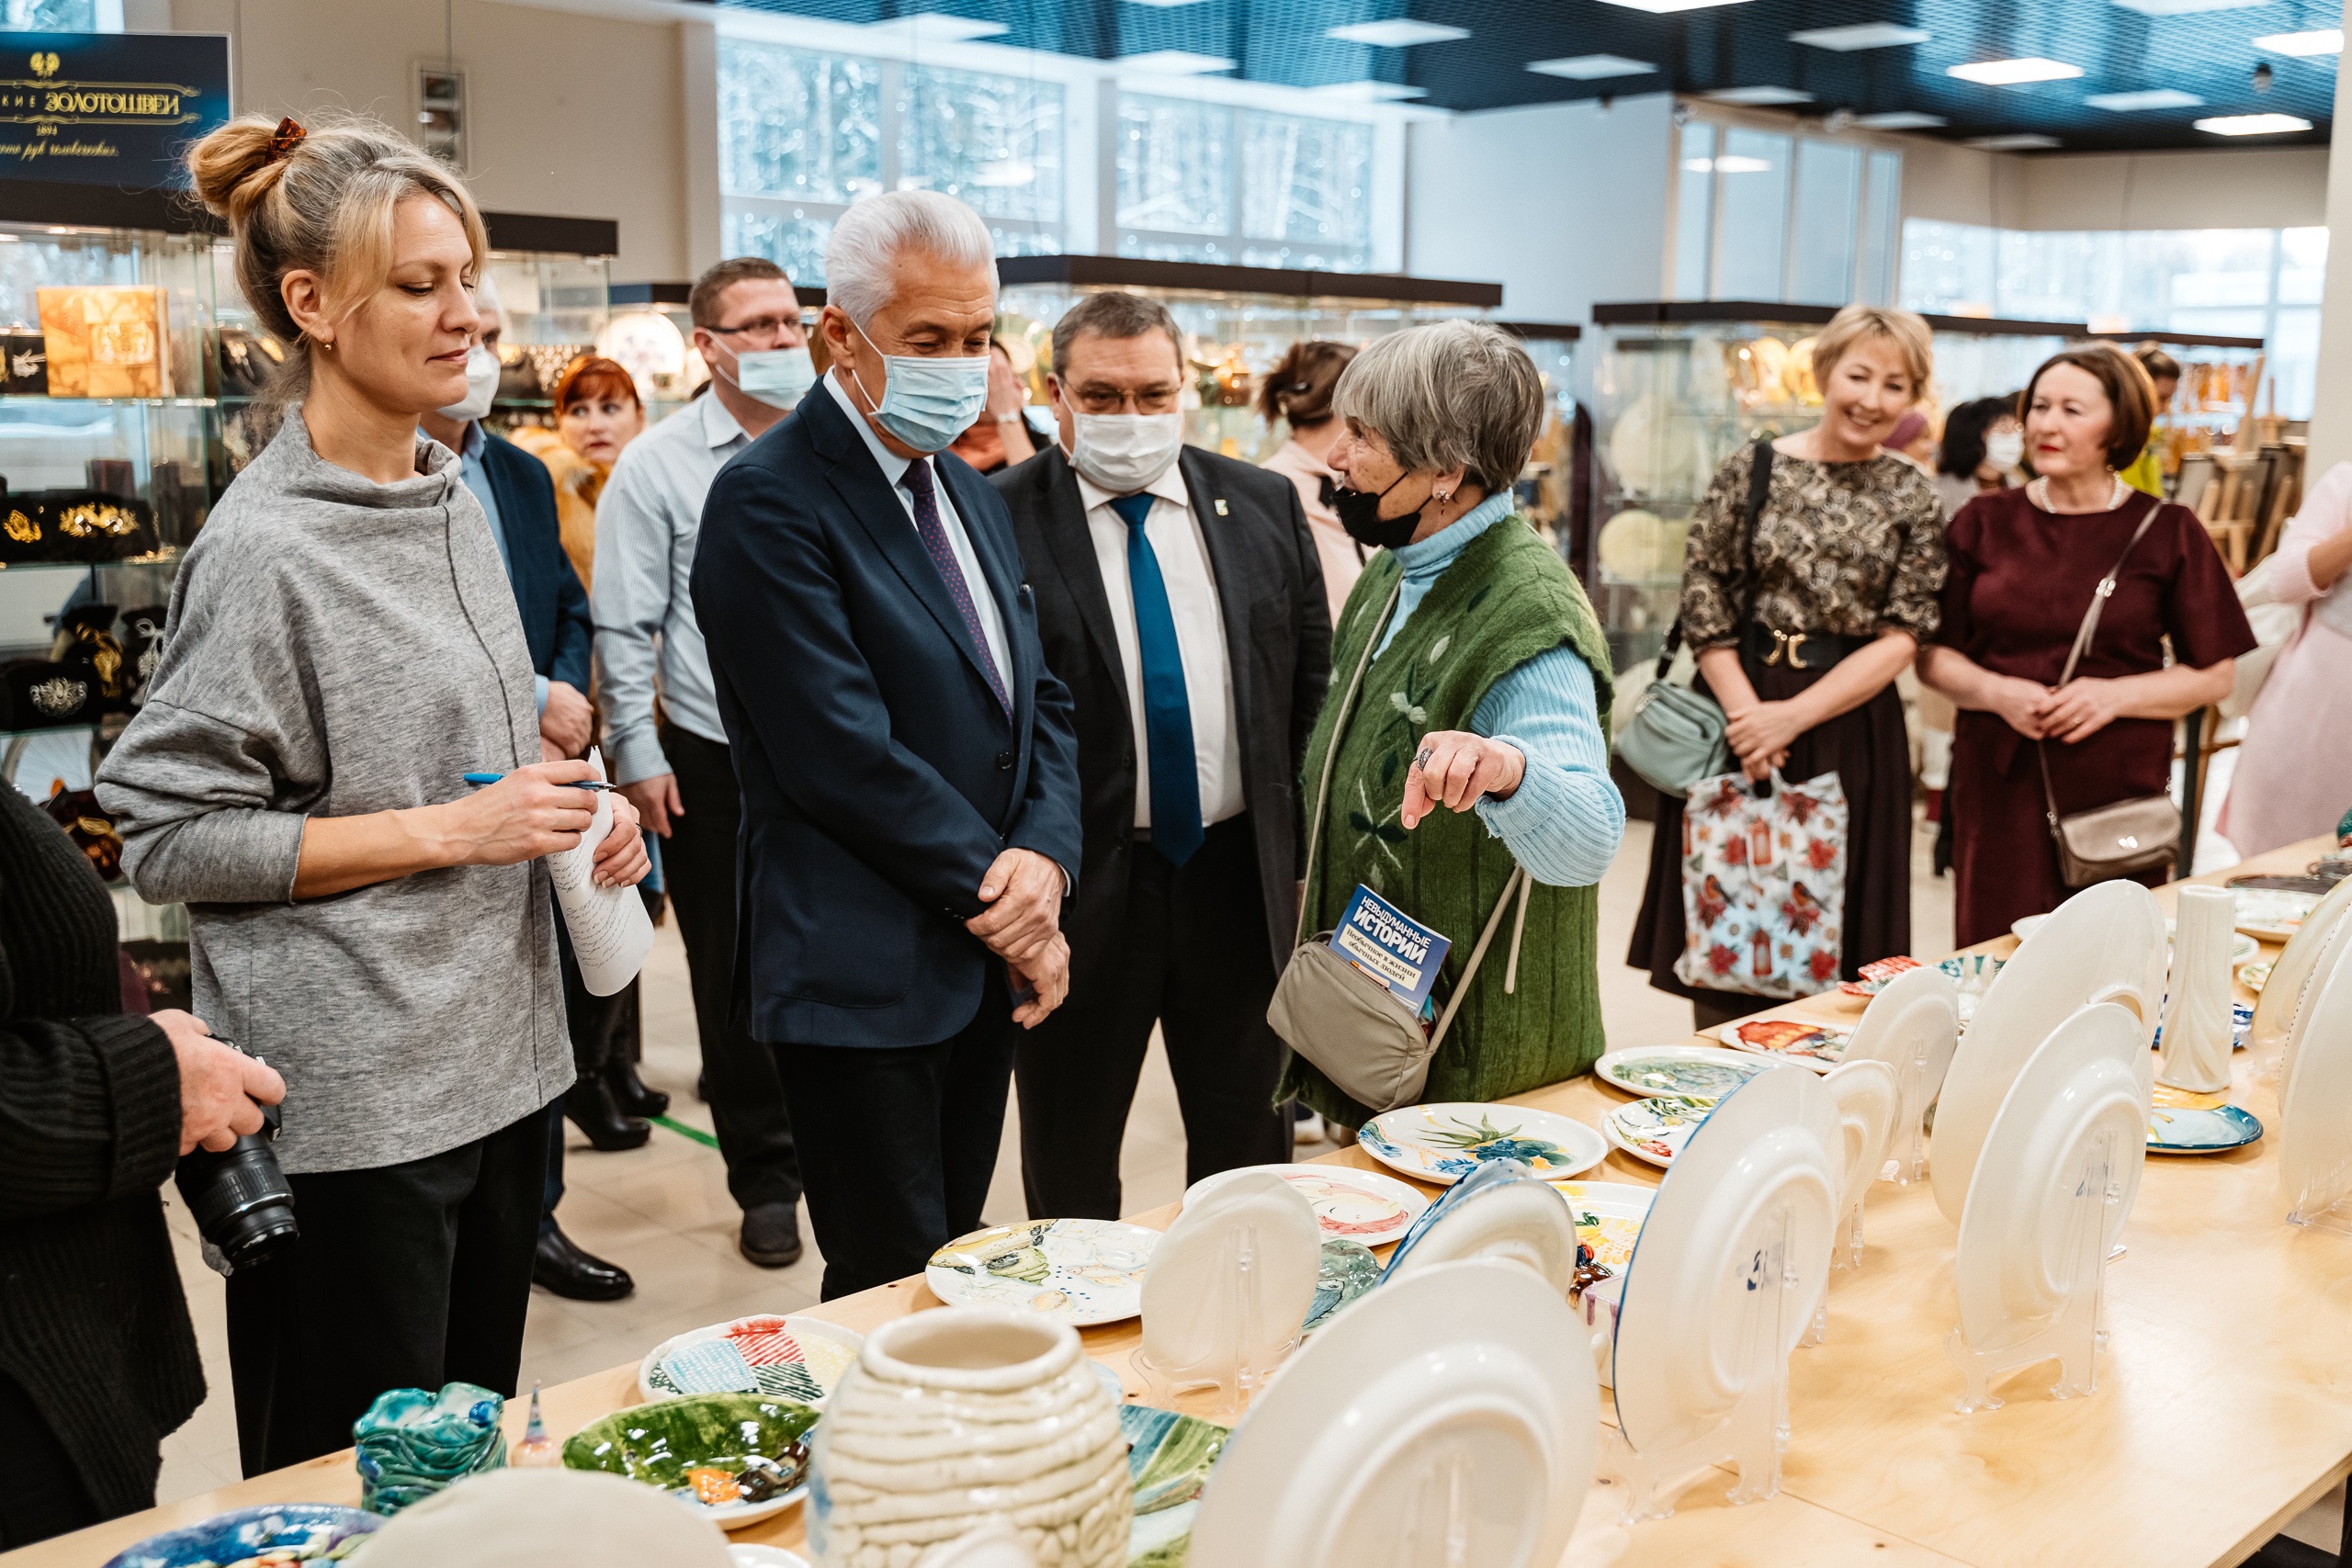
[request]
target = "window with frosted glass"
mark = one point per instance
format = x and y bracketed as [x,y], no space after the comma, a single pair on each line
[1947,268]
[996,141]
[1305,180]
[1694,211]
[1829,203]
[1752,186]
[1175,165]
[1881,222]
[797,124]
[51,17]
[795,244]
[2050,276]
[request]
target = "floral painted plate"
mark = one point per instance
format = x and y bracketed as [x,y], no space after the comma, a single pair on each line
[2273,914]
[1655,1129]
[1078,1271]
[306,1532]
[1360,1205]
[1445,1143]
[683,1446]
[1820,1046]
[1706,1072]
[795,1357]
[1608,1216]
[1349,1269]
[1168,1458]
[2187,1123]
[2254,977]
[1971,969]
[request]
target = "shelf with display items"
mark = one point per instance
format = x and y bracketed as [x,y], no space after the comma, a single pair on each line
[1678,386]
[1549,496]
[1237,321]
[2221,382]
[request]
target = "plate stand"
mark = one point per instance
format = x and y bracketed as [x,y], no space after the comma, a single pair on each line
[2072,1333]
[1908,1155]
[1756,1432]
[2326,1204]
[1438,1530]
[1245,1352]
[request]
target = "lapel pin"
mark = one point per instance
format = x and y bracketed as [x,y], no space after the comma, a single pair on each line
[1220,506]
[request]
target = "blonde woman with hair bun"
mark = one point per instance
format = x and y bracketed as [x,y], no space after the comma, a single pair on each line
[343,648]
[1800,631]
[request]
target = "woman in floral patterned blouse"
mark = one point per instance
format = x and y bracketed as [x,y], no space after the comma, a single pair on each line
[1800,631]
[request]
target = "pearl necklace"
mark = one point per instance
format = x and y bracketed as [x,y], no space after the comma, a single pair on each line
[2038,493]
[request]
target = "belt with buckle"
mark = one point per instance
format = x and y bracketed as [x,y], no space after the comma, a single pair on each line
[1806,651]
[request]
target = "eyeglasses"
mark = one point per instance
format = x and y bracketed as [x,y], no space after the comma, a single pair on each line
[756,324]
[1111,399]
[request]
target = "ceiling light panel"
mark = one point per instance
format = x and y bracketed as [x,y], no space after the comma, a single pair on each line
[2023,141]
[1901,119]
[1591,67]
[937,26]
[2141,103]
[2185,7]
[1402,32]
[2253,124]
[2014,73]
[1666,8]
[2302,46]
[1862,35]
[1175,62]
[1760,97]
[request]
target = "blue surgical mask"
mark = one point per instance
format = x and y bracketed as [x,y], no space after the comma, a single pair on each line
[779,377]
[928,403]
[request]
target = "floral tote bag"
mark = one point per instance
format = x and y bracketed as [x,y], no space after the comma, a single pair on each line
[1763,886]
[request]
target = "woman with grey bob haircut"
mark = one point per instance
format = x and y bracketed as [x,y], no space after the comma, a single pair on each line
[1468,673]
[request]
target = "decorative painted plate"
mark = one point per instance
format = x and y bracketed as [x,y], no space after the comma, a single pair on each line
[305,1532]
[1169,1457]
[2186,1123]
[795,1357]
[1080,1272]
[2273,914]
[2254,977]
[1445,1143]
[1655,1129]
[1608,1216]
[1362,1205]
[1820,1046]
[1705,1072]
[2241,1026]
[1972,971]
[692,1448]
[1349,1269]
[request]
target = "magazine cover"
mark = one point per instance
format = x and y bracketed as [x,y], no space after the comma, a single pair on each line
[1390,945]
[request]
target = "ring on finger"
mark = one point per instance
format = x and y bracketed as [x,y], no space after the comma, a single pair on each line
[1421,757]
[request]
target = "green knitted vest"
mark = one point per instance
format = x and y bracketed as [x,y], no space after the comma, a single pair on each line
[1507,598]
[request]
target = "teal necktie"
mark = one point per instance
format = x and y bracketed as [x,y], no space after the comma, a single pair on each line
[1166,713]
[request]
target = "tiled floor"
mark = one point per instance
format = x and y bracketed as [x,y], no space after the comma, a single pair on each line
[664,1212]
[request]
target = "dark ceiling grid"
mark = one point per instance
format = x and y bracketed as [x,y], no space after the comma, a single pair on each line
[2207,54]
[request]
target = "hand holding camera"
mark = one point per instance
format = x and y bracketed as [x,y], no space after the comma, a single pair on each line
[228,1174]
[222,1089]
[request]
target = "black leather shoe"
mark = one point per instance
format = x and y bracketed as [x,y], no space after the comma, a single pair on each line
[771,1235]
[567,1272]
[702,1088]
[630,1094]
[589,1102]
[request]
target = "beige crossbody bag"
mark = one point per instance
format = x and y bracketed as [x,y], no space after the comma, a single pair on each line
[1352,1028]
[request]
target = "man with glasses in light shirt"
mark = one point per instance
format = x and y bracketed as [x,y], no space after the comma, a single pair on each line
[677,769]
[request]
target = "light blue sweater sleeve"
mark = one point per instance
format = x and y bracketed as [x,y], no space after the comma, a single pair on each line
[1566,819]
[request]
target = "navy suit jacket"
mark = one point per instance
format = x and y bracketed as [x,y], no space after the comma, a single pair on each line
[556,621]
[880,777]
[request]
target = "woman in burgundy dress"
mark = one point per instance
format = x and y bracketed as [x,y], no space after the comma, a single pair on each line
[2023,565]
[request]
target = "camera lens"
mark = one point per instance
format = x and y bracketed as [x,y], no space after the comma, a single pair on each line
[240,1198]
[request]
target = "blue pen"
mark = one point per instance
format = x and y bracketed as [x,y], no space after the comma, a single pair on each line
[576,784]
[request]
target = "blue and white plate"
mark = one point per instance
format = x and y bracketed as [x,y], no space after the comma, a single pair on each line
[2187,1123]
[1442,1143]
[322,1532]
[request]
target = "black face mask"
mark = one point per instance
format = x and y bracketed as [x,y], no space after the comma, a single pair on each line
[1360,515]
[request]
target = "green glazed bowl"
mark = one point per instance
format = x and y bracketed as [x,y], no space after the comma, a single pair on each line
[659,1443]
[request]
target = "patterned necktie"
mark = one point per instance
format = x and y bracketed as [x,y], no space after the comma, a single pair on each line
[951,571]
[1166,713]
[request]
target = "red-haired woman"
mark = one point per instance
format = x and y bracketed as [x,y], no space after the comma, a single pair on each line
[597,413]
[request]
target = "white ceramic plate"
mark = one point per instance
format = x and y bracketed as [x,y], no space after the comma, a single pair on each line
[1608,1216]
[1078,1272]
[2274,914]
[1701,1072]
[1655,1129]
[1820,1046]
[1445,1143]
[2243,949]
[765,1557]
[1360,1205]
[1456,1370]
[1511,1217]
[808,1354]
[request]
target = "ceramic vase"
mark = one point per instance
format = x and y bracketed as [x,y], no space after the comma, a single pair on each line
[2197,1017]
[411,1443]
[967,1416]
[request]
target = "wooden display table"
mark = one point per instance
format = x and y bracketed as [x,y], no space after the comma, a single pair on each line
[2224,1405]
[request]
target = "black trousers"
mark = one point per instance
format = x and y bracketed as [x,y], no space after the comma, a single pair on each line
[40,1489]
[604,1029]
[406,1276]
[747,1103]
[897,1144]
[1192,956]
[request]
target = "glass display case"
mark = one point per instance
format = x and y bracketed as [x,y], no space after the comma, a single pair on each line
[554,279]
[1548,494]
[1678,386]
[1237,321]
[2218,390]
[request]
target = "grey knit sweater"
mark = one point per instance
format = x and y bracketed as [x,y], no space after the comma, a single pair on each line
[337,646]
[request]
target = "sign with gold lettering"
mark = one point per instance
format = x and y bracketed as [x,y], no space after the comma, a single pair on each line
[109,109]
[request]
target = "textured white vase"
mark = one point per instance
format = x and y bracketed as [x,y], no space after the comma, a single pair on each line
[967,1416]
[2195,1053]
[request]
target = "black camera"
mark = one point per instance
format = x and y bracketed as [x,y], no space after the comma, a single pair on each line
[241,1199]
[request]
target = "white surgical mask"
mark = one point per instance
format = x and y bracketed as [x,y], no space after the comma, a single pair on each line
[2005,448]
[779,377]
[482,385]
[1125,452]
[927,400]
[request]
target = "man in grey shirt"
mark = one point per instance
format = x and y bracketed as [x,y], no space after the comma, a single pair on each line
[676,768]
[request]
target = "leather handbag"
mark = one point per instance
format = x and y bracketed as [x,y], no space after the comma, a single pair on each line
[2123,838]
[1353,1029]
[1675,736]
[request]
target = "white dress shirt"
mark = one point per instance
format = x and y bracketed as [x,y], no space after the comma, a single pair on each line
[1174,534]
[647,521]
[893,470]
